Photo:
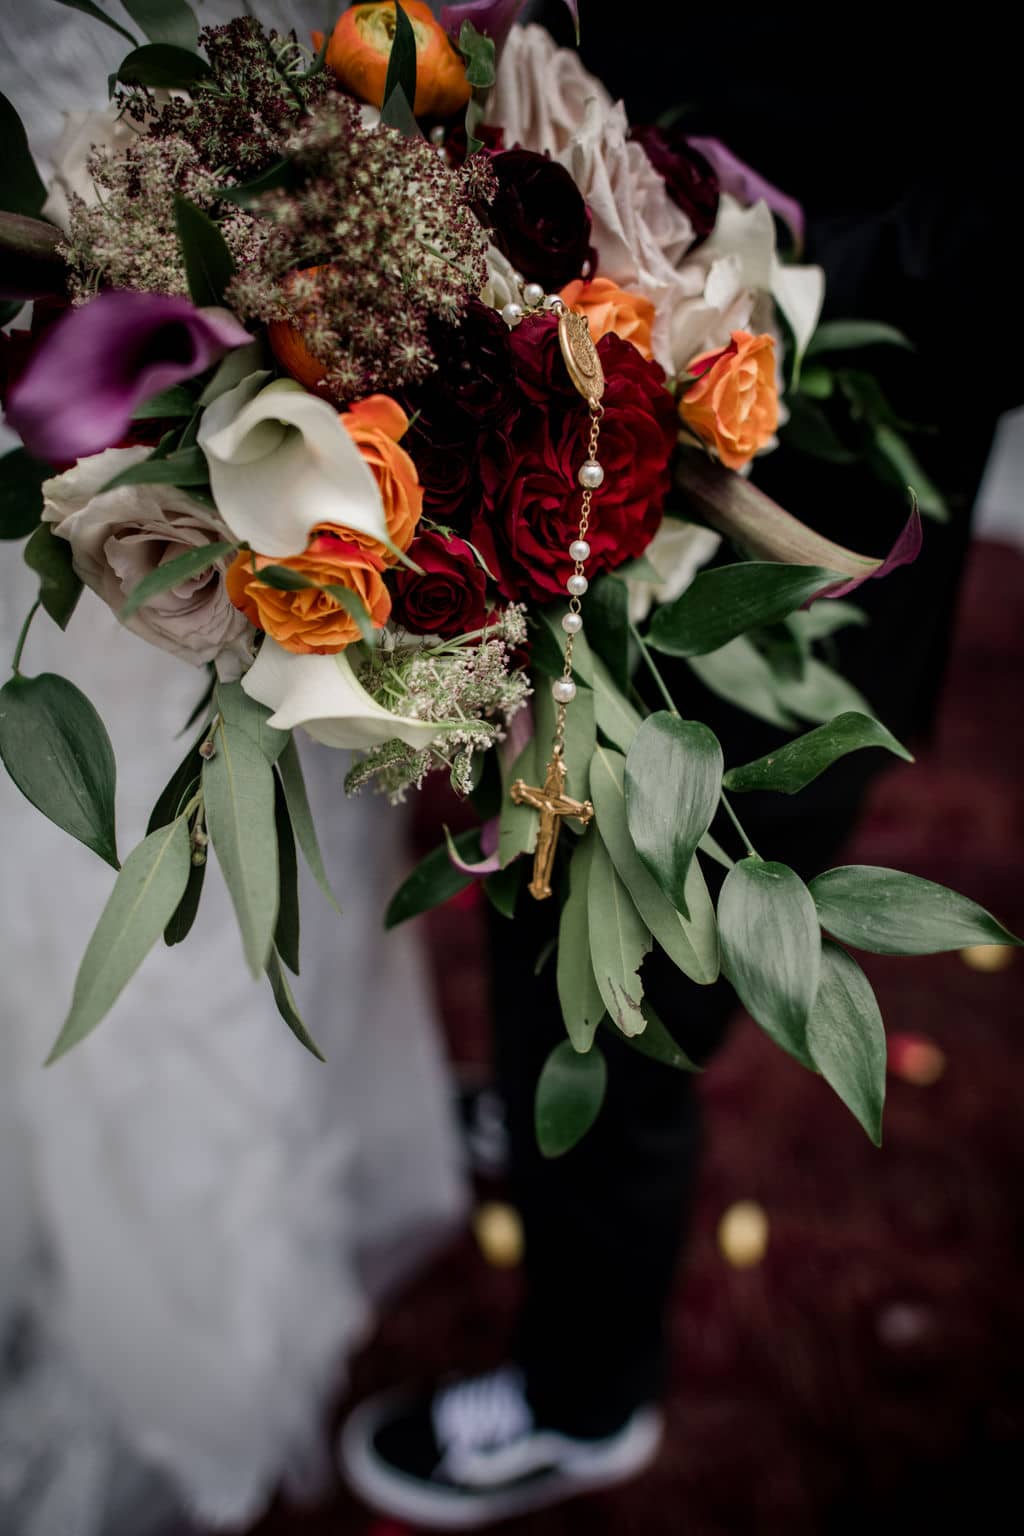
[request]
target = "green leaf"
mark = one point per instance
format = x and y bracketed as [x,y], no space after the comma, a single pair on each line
[238,791]
[94,11]
[184,916]
[163,67]
[176,401]
[502,889]
[725,602]
[286,1006]
[245,714]
[22,189]
[616,718]
[479,54]
[905,469]
[56,749]
[10,309]
[789,768]
[820,694]
[165,21]
[178,790]
[294,785]
[739,674]
[809,431]
[846,1038]
[582,1004]
[607,613]
[284,579]
[397,113]
[181,568]
[60,586]
[824,618]
[690,942]
[21,493]
[145,895]
[434,880]
[401,73]
[619,940]
[209,265]
[771,949]
[673,783]
[570,1092]
[659,1045]
[517,824]
[849,335]
[286,934]
[246,194]
[891,913]
[715,851]
[184,468]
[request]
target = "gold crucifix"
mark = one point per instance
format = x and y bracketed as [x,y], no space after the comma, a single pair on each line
[554,804]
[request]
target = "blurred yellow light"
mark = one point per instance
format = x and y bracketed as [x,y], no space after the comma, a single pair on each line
[988,957]
[743,1234]
[499,1232]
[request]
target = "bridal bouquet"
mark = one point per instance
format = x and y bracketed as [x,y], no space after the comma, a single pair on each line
[403,385]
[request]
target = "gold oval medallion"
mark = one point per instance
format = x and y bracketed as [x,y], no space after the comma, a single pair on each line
[580,354]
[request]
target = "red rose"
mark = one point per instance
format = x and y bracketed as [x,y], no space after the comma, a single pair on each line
[450,598]
[530,513]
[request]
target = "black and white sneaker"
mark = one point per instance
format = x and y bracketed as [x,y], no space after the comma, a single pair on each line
[471,1454]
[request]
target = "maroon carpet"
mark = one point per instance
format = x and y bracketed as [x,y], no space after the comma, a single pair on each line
[869,1372]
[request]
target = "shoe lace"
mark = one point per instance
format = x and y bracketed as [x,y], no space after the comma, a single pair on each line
[482,1413]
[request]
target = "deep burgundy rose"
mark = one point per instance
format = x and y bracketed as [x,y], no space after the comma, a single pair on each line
[539,366]
[530,512]
[449,477]
[473,387]
[691,180]
[538,218]
[450,598]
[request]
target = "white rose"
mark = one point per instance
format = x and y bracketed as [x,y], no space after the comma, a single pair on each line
[541,92]
[117,537]
[281,462]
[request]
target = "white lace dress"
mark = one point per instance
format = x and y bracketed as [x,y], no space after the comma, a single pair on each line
[194,1213]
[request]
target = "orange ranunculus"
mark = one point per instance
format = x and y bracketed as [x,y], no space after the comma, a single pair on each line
[376,425]
[311,621]
[613,309]
[360,47]
[289,347]
[734,405]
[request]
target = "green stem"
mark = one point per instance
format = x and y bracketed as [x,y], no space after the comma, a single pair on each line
[16,663]
[748,845]
[652,667]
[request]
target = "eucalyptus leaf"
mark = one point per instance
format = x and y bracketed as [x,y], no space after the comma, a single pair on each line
[163,67]
[771,949]
[502,889]
[570,1092]
[60,586]
[286,934]
[517,824]
[22,189]
[727,601]
[178,790]
[238,793]
[401,75]
[176,401]
[619,940]
[56,749]
[850,335]
[184,915]
[673,782]
[165,21]
[144,898]
[739,674]
[90,9]
[182,568]
[286,1006]
[245,714]
[478,51]
[578,992]
[607,616]
[434,880]
[209,265]
[846,1038]
[888,912]
[290,769]
[657,1043]
[791,767]
[690,942]
[21,493]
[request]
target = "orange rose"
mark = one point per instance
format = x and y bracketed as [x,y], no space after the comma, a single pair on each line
[734,405]
[360,47]
[288,344]
[612,309]
[375,425]
[311,621]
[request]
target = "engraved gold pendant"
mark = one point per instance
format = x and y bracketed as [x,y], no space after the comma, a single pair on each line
[580,354]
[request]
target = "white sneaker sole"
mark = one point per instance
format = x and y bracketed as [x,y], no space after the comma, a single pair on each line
[603,1464]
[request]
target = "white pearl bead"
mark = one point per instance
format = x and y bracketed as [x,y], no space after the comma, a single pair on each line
[591,475]
[512,313]
[533,293]
[564,691]
[518,279]
[579,549]
[586,269]
[577,585]
[572,623]
[553,301]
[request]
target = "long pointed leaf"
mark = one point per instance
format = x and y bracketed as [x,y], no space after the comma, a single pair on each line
[578,992]
[771,949]
[182,568]
[791,767]
[238,790]
[294,785]
[673,783]
[888,912]
[165,21]
[619,940]
[728,600]
[846,1038]
[286,935]
[570,1092]
[286,1006]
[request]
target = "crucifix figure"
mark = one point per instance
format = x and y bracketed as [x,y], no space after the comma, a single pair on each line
[553,804]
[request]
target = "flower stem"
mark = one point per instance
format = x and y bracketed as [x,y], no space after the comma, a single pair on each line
[16,663]
[748,845]
[652,667]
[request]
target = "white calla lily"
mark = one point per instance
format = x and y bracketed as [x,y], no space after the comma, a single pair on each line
[281,462]
[324,696]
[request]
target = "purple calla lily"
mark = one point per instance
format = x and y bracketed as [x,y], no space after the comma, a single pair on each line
[490,863]
[97,364]
[495,18]
[743,183]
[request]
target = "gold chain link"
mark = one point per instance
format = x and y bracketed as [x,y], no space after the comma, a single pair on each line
[575,605]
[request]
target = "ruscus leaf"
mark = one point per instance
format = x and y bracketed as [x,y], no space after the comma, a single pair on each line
[673,782]
[290,769]
[888,912]
[727,601]
[238,793]
[619,940]
[846,1038]
[570,1092]
[771,949]
[791,767]
[578,992]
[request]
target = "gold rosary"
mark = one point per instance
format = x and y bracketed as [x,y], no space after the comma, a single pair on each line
[584,368]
